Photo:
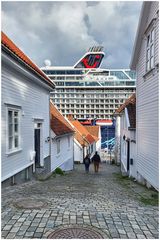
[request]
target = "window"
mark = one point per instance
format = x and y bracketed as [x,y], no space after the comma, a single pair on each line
[69,142]
[13,129]
[150,51]
[58,146]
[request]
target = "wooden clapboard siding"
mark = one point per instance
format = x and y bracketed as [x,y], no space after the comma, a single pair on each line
[19,89]
[64,159]
[147,112]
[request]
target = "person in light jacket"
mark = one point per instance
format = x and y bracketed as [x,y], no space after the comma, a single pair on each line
[96,160]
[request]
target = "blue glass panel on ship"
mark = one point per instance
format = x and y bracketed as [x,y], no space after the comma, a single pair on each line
[108,136]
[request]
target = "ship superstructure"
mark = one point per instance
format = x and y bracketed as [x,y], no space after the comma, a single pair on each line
[87,91]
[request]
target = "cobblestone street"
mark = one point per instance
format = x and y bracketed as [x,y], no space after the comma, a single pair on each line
[76,198]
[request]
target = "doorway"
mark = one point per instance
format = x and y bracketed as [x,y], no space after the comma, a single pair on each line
[37,144]
[128,154]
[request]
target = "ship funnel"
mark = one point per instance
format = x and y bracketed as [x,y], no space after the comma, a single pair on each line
[92,59]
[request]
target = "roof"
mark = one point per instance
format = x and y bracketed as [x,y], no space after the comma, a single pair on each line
[94,131]
[130,104]
[59,124]
[140,31]
[82,131]
[132,115]
[82,140]
[9,45]
[131,100]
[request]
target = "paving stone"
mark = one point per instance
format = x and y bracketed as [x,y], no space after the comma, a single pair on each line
[21,233]
[123,236]
[103,203]
[131,235]
[121,231]
[138,231]
[37,235]
[11,222]
[31,229]
[39,230]
[15,229]
[26,223]
[4,234]
[7,227]
[21,219]
[29,234]
[42,225]
[34,224]
[143,227]
[115,235]
[140,236]
[11,235]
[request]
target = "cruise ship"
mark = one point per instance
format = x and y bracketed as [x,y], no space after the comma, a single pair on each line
[88,92]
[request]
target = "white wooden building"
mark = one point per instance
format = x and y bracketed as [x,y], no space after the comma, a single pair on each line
[126,139]
[84,142]
[95,131]
[25,115]
[145,60]
[62,136]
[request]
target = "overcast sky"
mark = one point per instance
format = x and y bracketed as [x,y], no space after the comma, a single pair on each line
[63,31]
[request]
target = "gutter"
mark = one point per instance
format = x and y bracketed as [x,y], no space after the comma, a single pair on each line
[63,135]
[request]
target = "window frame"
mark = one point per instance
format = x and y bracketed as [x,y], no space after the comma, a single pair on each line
[13,149]
[150,55]
[69,142]
[58,146]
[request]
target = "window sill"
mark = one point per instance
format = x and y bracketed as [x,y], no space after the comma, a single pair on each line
[13,152]
[148,72]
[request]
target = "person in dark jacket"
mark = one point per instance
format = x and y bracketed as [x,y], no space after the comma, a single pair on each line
[87,162]
[96,160]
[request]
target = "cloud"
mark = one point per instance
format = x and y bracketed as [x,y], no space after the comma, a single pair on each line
[63,31]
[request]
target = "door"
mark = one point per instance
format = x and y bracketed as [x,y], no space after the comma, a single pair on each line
[37,146]
[128,154]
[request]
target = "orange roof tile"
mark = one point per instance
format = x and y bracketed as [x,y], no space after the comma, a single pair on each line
[83,131]
[59,124]
[9,45]
[131,100]
[82,140]
[90,138]
[94,131]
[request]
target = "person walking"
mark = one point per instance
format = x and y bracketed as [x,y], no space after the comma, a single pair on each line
[96,160]
[87,162]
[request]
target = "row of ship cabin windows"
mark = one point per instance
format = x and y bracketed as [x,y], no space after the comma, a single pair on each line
[93,116]
[118,74]
[93,91]
[72,95]
[87,111]
[113,83]
[87,101]
[87,106]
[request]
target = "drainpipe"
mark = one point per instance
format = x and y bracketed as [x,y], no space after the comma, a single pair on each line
[49,133]
[73,151]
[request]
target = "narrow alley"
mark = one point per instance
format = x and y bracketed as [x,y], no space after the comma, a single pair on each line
[103,202]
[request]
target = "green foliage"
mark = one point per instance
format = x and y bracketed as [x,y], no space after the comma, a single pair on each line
[151,200]
[59,171]
[145,195]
